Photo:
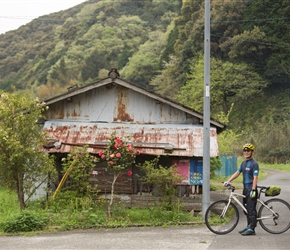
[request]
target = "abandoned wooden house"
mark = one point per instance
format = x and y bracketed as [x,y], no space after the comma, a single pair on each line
[88,115]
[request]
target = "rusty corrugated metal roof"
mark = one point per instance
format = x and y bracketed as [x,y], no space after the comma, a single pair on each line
[159,139]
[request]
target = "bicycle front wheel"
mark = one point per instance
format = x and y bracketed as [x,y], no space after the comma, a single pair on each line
[276,222]
[220,218]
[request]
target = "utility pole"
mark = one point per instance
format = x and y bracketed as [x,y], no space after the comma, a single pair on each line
[206,113]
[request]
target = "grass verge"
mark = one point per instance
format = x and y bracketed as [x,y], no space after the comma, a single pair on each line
[82,213]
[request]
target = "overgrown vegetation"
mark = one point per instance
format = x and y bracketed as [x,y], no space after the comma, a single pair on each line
[164,180]
[77,169]
[27,221]
[67,213]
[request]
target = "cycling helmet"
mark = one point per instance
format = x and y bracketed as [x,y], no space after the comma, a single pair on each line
[249,146]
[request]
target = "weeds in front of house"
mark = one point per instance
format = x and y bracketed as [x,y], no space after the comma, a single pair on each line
[27,221]
[68,213]
[9,204]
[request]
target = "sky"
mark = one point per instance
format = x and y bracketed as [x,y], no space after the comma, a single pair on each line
[14,13]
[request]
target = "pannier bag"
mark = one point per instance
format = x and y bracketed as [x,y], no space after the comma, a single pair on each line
[273,191]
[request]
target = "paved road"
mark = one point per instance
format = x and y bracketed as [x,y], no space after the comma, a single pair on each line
[129,238]
[182,237]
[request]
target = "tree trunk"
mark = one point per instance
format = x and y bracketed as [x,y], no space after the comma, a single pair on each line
[20,191]
[112,193]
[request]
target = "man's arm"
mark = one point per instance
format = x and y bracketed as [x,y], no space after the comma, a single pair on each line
[234,176]
[255,182]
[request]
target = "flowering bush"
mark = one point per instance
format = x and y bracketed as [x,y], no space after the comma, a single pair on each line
[119,154]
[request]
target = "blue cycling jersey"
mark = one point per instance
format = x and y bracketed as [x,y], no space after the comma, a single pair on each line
[249,168]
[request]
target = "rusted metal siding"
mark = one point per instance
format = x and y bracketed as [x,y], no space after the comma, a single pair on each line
[111,103]
[160,139]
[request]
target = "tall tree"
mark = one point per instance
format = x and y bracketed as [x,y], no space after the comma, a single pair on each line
[229,82]
[145,63]
[226,22]
[189,40]
[166,83]
[23,167]
[272,18]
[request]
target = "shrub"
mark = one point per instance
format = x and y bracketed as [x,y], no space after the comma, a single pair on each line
[164,180]
[27,221]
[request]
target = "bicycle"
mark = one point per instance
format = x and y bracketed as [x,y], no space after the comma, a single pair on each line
[223,216]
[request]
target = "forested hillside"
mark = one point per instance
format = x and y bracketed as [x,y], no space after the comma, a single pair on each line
[158,45]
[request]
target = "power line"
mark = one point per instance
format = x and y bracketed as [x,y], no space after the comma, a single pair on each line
[262,43]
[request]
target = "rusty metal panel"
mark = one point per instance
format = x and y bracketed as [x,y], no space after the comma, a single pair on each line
[159,139]
[117,104]
[96,105]
[105,89]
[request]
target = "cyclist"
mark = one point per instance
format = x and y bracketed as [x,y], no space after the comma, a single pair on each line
[250,170]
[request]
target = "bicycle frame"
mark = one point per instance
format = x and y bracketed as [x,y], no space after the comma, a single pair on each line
[234,196]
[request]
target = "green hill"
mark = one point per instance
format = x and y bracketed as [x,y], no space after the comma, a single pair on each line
[159,45]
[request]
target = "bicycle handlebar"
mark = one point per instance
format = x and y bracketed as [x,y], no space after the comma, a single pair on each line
[230,187]
[261,188]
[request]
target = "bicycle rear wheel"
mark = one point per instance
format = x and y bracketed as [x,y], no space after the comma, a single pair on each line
[218,223]
[278,222]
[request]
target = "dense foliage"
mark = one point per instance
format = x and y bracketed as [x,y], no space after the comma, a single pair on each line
[158,45]
[78,168]
[27,221]
[23,167]
[163,179]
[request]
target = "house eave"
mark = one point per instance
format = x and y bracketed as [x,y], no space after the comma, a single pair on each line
[159,139]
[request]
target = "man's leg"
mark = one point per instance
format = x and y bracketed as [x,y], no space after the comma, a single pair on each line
[246,194]
[252,215]
[252,212]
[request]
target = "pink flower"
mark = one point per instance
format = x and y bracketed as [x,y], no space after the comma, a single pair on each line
[112,156]
[100,153]
[118,155]
[129,173]
[111,162]
[138,152]
[129,147]
[103,156]
[118,140]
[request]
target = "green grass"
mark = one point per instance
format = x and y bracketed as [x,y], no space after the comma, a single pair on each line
[9,205]
[280,167]
[70,213]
